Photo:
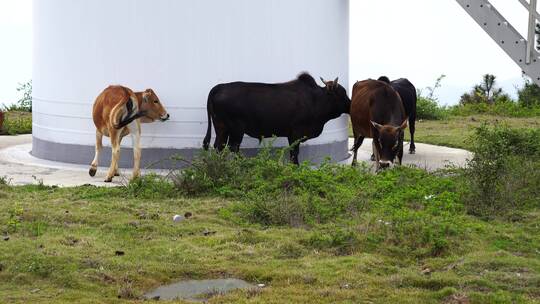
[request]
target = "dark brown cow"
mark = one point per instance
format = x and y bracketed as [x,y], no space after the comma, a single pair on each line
[377,112]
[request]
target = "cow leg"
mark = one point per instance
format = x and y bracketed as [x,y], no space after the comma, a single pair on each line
[295,150]
[222,136]
[136,139]
[400,151]
[412,129]
[116,171]
[115,143]
[235,140]
[376,155]
[99,146]
[358,141]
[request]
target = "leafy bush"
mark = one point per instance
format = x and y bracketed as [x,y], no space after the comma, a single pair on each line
[504,174]
[216,173]
[428,109]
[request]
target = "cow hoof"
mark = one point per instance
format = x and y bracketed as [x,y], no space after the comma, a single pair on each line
[117,174]
[412,152]
[108,180]
[92,172]
[372,157]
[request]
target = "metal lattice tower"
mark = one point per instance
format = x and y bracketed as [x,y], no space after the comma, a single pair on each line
[521,50]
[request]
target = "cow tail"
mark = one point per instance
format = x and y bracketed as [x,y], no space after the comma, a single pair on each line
[130,117]
[209,110]
[129,120]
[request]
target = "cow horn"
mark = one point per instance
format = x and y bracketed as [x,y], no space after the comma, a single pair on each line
[376,125]
[336,81]
[324,81]
[405,124]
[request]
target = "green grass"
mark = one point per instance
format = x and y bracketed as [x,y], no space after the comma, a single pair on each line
[455,131]
[16,123]
[334,234]
[400,237]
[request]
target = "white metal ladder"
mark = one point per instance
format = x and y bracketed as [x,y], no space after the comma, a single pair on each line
[521,50]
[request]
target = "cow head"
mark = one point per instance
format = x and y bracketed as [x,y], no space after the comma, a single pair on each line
[152,108]
[387,142]
[339,95]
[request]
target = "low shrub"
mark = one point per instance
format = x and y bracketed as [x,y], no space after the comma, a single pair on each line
[212,173]
[504,174]
[271,190]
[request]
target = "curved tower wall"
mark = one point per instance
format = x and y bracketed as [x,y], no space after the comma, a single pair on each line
[181,49]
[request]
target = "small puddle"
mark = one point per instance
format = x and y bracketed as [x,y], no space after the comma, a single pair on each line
[197,290]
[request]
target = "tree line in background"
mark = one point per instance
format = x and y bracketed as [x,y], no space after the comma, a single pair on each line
[484,98]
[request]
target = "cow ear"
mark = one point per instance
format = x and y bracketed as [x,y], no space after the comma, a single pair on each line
[405,124]
[376,125]
[146,96]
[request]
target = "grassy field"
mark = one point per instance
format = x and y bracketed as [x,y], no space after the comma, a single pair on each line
[17,123]
[347,236]
[334,234]
[456,130]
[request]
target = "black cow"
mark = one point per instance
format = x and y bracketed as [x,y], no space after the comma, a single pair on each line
[298,110]
[407,92]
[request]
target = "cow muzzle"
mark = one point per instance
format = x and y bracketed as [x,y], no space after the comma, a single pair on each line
[385,164]
[165,117]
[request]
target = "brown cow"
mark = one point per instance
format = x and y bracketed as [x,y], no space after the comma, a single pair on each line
[377,112]
[118,112]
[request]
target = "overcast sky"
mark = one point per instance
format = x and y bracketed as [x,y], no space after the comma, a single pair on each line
[417,39]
